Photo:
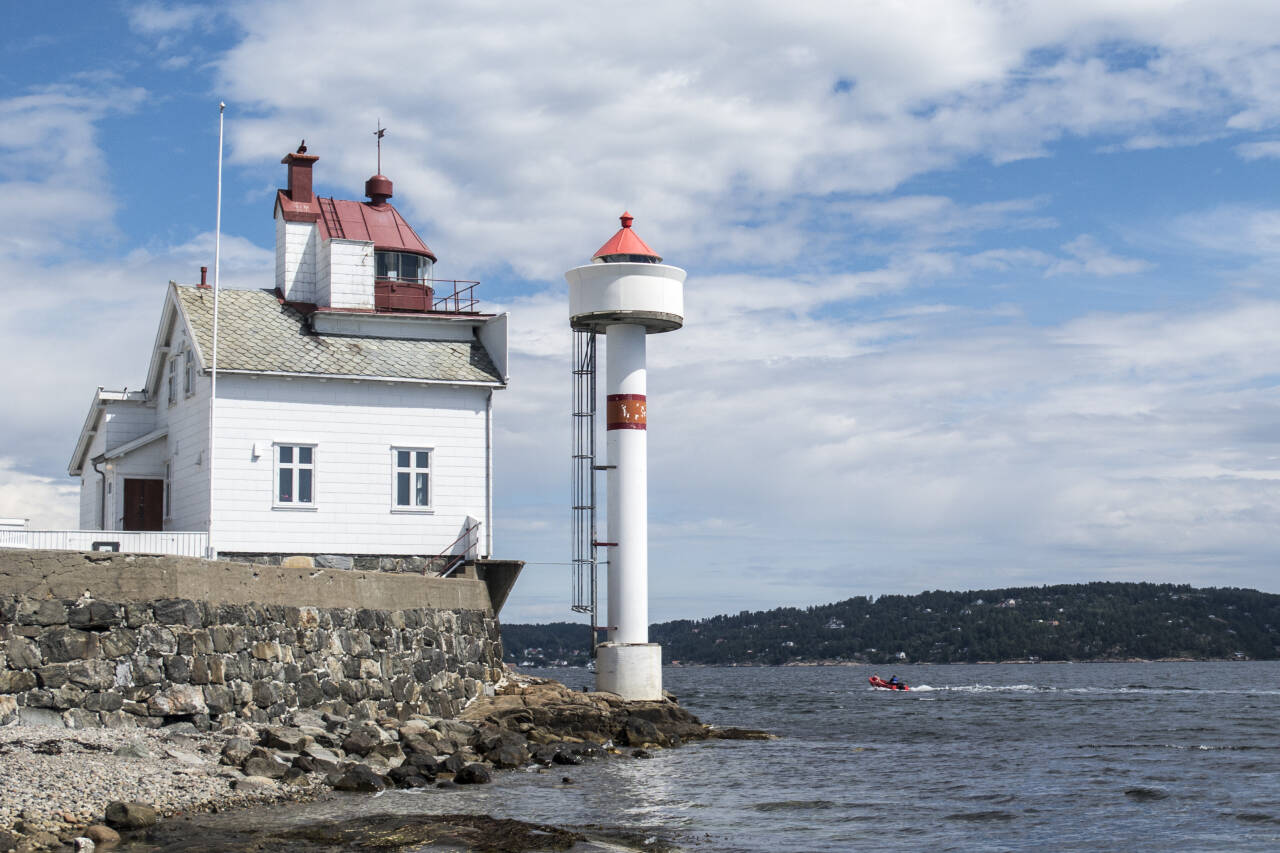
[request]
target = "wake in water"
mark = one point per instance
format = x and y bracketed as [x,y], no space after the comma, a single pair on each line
[1131,689]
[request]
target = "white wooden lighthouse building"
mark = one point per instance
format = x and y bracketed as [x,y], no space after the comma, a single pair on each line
[354,411]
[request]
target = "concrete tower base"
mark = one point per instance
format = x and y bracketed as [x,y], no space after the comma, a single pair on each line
[632,670]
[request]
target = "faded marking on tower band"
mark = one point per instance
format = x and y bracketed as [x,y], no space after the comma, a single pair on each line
[627,411]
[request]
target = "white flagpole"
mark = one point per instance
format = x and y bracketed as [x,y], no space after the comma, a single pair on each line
[213,368]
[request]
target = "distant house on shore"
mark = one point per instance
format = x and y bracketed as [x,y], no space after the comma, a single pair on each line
[354,409]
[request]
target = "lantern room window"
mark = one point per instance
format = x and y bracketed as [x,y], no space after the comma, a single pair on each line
[402,266]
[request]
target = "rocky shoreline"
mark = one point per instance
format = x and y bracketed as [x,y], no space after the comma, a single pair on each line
[82,788]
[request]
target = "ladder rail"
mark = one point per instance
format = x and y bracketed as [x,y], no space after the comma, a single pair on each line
[584,580]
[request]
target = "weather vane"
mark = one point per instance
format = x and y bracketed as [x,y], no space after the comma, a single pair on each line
[380,132]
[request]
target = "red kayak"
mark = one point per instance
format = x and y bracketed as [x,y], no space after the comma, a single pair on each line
[877,681]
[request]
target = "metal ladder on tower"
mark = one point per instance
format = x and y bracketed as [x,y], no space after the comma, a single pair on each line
[584,580]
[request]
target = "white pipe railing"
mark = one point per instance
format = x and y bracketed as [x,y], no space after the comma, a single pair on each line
[181,544]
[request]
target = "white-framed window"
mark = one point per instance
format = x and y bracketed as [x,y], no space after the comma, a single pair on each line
[411,479]
[173,380]
[295,480]
[189,372]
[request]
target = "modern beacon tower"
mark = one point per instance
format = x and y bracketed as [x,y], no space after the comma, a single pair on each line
[627,293]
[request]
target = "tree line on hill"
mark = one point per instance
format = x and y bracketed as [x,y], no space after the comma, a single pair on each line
[1077,622]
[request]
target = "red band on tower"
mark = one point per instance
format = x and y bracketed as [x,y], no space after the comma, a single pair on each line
[627,411]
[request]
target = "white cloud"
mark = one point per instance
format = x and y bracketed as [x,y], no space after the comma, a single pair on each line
[158,18]
[1259,150]
[47,503]
[662,116]
[1089,257]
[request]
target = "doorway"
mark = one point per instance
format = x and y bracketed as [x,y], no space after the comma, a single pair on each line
[143,504]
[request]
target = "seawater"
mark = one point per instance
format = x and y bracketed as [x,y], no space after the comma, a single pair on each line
[1146,756]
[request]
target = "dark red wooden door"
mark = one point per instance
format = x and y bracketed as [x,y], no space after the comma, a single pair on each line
[143,504]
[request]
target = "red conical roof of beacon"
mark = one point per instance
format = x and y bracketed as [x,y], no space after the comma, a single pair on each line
[626,242]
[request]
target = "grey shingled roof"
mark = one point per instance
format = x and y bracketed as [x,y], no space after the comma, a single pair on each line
[257,333]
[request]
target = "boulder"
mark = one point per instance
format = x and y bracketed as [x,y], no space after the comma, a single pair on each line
[390,751]
[263,762]
[130,815]
[418,744]
[508,756]
[639,731]
[359,743]
[473,774]
[294,776]
[414,727]
[178,699]
[102,835]
[425,765]
[453,727]
[236,750]
[323,759]
[286,738]
[406,776]
[360,778]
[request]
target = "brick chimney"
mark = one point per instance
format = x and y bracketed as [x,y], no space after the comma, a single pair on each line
[300,176]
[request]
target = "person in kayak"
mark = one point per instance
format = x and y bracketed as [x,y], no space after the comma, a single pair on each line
[893,679]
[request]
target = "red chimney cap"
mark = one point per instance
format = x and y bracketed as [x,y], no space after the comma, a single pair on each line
[626,245]
[378,189]
[302,159]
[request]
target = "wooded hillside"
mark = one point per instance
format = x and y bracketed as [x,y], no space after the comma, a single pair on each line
[1096,621]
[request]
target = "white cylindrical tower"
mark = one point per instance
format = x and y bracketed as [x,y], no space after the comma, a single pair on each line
[627,292]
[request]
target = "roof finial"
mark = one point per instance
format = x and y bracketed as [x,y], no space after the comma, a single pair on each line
[626,219]
[380,132]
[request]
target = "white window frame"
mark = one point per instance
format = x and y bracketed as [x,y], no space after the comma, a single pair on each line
[295,466]
[189,372]
[397,470]
[173,380]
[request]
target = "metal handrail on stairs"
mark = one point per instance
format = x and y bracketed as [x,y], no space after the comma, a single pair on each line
[457,559]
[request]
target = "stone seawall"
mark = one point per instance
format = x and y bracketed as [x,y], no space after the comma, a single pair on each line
[95,639]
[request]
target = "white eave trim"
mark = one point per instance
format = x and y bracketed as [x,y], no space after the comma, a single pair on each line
[141,441]
[91,423]
[492,383]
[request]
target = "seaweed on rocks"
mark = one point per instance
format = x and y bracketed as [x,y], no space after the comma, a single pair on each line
[393,832]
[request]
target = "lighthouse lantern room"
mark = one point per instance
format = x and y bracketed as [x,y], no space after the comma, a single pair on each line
[627,293]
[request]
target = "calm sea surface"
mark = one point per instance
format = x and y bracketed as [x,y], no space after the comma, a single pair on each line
[1150,756]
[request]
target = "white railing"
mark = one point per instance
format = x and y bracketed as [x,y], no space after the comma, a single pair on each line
[182,544]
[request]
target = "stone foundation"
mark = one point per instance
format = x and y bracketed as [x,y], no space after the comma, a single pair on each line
[89,662]
[135,640]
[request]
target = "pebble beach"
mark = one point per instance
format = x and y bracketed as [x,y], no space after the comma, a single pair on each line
[59,781]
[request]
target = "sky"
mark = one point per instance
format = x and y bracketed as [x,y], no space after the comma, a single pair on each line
[979,293]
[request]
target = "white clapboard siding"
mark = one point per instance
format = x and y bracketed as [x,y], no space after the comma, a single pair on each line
[350,273]
[296,264]
[353,426]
